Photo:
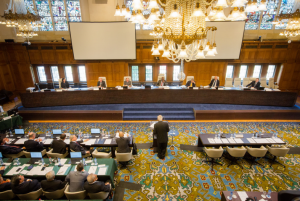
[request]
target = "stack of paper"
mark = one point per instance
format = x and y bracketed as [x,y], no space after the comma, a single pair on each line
[62,170]
[48,141]
[219,141]
[13,171]
[90,142]
[238,141]
[102,170]
[21,141]
[271,140]
[231,140]
[62,161]
[211,140]
[225,141]
[93,169]
[261,140]
[67,141]
[277,140]
[107,141]
[251,140]
[243,195]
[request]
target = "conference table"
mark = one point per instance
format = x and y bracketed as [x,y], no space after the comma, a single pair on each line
[105,169]
[172,94]
[11,123]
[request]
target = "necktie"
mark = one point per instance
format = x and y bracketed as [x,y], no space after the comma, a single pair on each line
[191,84]
[161,83]
[214,85]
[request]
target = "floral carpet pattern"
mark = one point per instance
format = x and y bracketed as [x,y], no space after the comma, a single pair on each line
[182,175]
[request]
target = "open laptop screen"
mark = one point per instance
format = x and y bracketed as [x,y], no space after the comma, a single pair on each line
[95,130]
[57,131]
[1,155]
[75,154]
[36,154]
[19,131]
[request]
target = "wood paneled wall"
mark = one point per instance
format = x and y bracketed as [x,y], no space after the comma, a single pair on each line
[16,60]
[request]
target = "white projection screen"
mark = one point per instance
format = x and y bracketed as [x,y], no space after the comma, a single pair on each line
[229,37]
[103,40]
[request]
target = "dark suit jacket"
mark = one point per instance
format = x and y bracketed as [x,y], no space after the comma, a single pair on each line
[188,84]
[127,83]
[5,186]
[123,145]
[59,146]
[9,150]
[64,85]
[102,84]
[212,82]
[50,186]
[252,84]
[26,187]
[159,83]
[77,147]
[33,146]
[161,130]
[96,187]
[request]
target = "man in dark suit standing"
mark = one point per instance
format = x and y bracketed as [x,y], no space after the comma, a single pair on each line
[7,149]
[101,83]
[255,84]
[75,146]
[52,184]
[161,130]
[161,82]
[59,146]
[191,83]
[33,145]
[94,186]
[123,144]
[4,185]
[20,186]
[214,83]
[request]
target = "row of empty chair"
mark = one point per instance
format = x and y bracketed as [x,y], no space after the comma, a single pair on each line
[229,82]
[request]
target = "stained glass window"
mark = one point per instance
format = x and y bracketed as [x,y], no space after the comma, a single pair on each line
[268,16]
[74,12]
[148,73]
[59,15]
[252,21]
[43,9]
[285,8]
[135,73]
[176,71]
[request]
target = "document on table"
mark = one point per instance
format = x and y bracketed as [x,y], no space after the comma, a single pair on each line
[62,170]
[278,140]
[211,140]
[108,141]
[231,140]
[93,169]
[271,140]
[218,141]
[62,161]
[13,171]
[90,142]
[67,141]
[238,140]
[6,165]
[243,195]
[48,141]
[225,141]
[21,141]
[239,135]
[251,140]
[102,170]
[260,140]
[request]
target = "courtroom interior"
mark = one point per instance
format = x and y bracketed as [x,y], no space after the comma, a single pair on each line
[150,100]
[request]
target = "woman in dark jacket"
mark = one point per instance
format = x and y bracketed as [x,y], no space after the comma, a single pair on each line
[64,84]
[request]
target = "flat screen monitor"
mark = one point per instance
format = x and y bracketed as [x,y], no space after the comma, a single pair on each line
[56,131]
[19,131]
[1,155]
[75,154]
[95,130]
[35,154]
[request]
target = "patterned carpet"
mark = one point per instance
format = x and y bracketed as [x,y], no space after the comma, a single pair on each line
[183,175]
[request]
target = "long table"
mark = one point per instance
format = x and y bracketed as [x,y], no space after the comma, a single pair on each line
[11,123]
[86,96]
[107,166]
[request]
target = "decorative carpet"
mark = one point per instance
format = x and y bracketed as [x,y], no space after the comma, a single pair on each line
[182,175]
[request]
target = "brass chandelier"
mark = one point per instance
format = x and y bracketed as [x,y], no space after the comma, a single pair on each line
[293,26]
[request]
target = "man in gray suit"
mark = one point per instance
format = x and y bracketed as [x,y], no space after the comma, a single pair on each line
[77,178]
[123,144]
[161,82]
[127,82]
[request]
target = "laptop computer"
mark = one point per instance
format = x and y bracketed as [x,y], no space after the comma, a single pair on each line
[56,133]
[19,132]
[75,157]
[35,157]
[95,132]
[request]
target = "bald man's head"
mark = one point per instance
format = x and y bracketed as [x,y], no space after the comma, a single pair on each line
[121,134]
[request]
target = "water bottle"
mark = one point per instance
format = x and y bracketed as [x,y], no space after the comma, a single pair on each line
[10,133]
[1,162]
[83,161]
[275,135]
[18,162]
[95,161]
[230,197]
[269,194]
[59,163]
[219,135]
[43,162]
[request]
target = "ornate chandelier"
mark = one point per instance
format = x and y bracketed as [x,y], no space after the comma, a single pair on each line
[179,26]
[293,26]
[19,17]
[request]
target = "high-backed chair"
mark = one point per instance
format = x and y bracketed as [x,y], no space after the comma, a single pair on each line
[236,154]
[27,154]
[278,152]
[103,79]
[252,79]
[84,156]
[263,82]
[18,155]
[256,153]
[237,82]
[55,155]
[98,196]
[160,76]
[129,78]
[246,81]
[79,195]
[59,82]
[188,78]
[228,82]
[55,194]
[213,154]
[7,195]
[34,195]
[123,159]
[213,77]
[97,154]
[272,84]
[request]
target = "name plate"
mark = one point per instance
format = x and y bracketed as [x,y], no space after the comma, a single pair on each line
[6,118]
[58,90]
[195,87]
[96,88]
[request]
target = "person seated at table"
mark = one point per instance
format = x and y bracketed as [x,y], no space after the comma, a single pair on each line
[101,83]
[191,83]
[64,84]
[94,186]
[127,82]
[214,83]
[52,184]
[32,144]
[8,149]
[5,185]
[59,146]
[161,82]
[77,178]
[254,84]
[20,185]
[75,146]
[123,144]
